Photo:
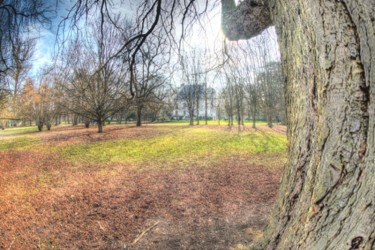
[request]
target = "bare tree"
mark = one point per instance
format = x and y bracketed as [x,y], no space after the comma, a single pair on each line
[255,78]
[187,94]
[16,17]
[219,107]
[94,86]
[152,17]
[150,76]
[191,92]
[228,96]
[20,57]
[22,52]
[271,86]
[234,88]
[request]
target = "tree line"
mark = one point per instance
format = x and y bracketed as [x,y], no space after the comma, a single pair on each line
[91,83]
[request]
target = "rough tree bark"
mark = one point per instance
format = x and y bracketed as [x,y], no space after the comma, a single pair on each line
[326,199]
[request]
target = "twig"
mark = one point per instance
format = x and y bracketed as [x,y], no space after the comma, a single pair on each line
[144,232]
[101,227]
[10,246]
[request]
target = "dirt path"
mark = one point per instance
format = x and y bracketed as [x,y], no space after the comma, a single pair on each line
[213,209]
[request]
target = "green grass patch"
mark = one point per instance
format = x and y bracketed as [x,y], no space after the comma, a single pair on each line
[210,122]
[19,130]
[18,143]
[183,144]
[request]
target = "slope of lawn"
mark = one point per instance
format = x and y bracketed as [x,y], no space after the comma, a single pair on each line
[18,130]
[17,143]
[210,122]
[204,187]
[179,145]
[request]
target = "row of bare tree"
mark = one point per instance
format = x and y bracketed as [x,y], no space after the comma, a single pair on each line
[91,82]
[254,88]
[86,86]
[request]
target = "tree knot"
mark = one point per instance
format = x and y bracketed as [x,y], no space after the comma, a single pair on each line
[356,242]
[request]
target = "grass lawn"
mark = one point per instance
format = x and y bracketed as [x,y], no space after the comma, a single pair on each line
[18,130]
[75,188]
[211,122]
[179,145]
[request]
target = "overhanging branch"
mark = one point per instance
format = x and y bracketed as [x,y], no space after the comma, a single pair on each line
[246,20]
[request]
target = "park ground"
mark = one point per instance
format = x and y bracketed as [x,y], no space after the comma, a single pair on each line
[162,186]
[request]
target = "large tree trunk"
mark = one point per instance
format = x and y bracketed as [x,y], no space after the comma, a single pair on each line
[326,199]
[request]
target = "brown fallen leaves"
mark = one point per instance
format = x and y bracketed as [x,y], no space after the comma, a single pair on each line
[46,204]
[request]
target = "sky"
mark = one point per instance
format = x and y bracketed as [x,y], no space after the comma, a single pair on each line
[208,33]
[46,43]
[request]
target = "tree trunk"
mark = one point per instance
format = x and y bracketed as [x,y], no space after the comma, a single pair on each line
[191,123]
[254,113]
[239,116]
[205,104]
[40,125]
[254,120]
[242,116]
[269,120]
[139,116]
[326,199]
[100,125]
[120,116]
[75,120]
[197,108]
[48,125]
